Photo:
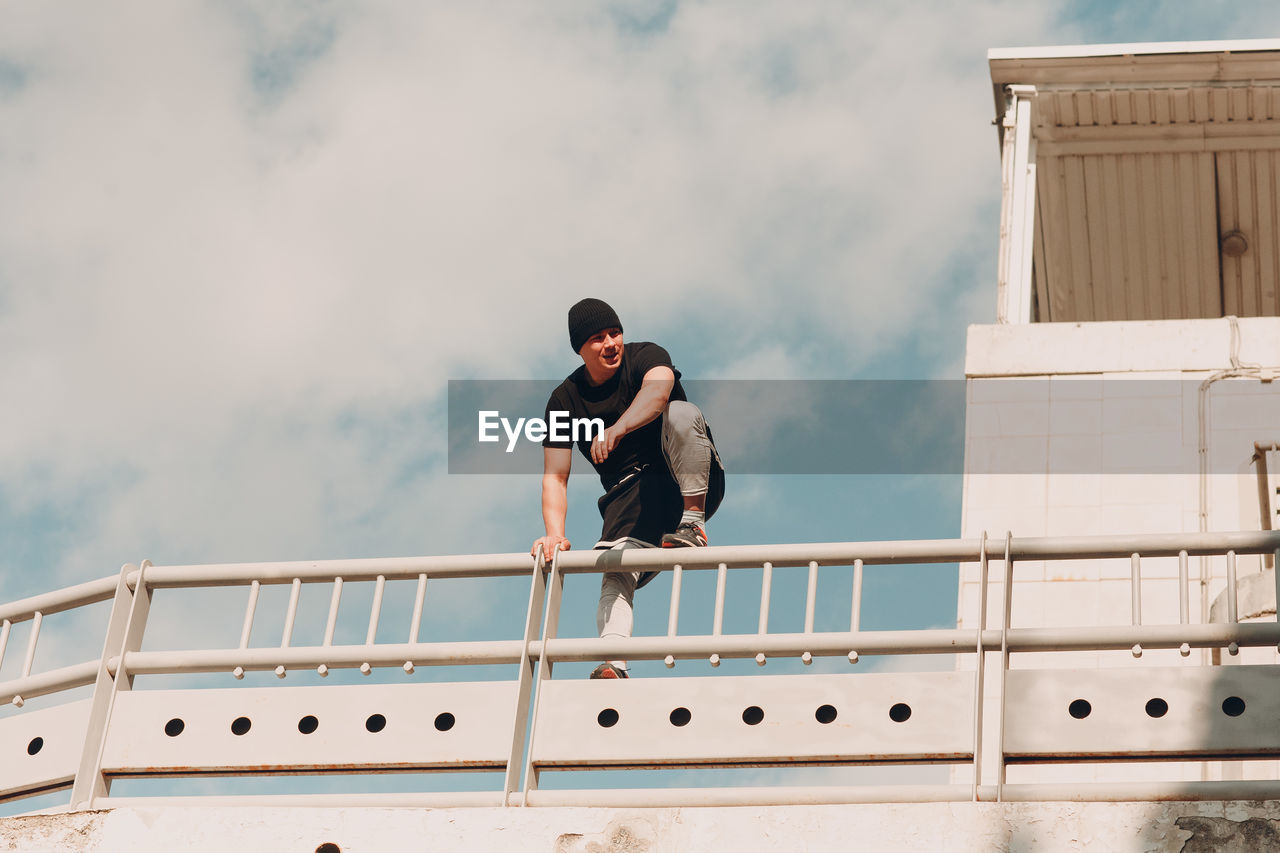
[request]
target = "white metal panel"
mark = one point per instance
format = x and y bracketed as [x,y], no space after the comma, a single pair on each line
[1054,265]
[137,741]
[1128,236]
[571,734]
[1156,276]
[1039,723]
[55,736]
[1150,111]
[1248,187]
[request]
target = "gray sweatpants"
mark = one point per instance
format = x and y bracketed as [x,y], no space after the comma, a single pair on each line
[688,451]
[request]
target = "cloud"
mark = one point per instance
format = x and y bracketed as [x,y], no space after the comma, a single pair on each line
[242,248]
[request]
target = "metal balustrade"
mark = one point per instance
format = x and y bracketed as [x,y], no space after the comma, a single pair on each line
[531,724]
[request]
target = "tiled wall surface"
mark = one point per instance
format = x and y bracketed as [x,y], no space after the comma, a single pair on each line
[1101,429]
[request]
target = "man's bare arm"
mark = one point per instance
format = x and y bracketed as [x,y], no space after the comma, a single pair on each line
[655,391]
[556,462]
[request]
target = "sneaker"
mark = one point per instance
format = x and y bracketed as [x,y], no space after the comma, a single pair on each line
[690,534]
[608,670]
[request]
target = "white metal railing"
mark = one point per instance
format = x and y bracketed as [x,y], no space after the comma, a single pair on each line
[541,724]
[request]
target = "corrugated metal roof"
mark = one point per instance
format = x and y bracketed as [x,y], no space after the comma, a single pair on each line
[1145,160]
[1126,237]
[1172,106]
[1248,187]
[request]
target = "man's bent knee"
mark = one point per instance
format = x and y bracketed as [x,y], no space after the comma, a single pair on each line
[682,416]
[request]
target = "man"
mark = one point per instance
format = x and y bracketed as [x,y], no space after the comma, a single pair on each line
[660,471]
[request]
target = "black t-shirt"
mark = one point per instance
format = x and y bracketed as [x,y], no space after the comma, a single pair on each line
[607,401]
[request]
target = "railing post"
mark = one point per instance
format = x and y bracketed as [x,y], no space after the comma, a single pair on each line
[1233,590]
[1135,587]
[524,690]
[1275,572]
[979,675]
[1004,660]
[1183,592]
[550,627]
[766,589]
[855,615]
[125,628]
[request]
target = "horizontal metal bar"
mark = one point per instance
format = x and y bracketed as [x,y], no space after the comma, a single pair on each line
[939,641]
[67,598]
[1114,792]
[928,641]
[742,796]
[753,556]
[49,681]
[416,800]
[324,571]
[498,565]
[893,552]
[780,795]
[933,641]
[735,556]
[1149,545]
[334,657]
[1214,634]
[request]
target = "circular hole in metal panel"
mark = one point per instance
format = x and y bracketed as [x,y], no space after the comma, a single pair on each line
[1080,708]
[241,725]
[825,714]
[308,724]
[445,721]
[174,727]
[1157,707]
[328,847]
[681,717]
[753,716]
[375,723]
[1233,706]
[607,718]
[900,713]
[37,744]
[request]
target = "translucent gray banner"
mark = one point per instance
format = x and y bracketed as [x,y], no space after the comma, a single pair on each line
[995,426]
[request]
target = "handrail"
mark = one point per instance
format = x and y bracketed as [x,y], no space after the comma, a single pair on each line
[541,647]
[45,683]
[68,598]
[893,552]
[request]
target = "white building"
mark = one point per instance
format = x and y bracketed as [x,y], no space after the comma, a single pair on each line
[1127,385]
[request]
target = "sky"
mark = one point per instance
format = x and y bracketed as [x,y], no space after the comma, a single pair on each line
[244,247]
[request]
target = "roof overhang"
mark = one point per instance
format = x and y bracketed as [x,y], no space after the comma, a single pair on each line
[1139,64]
[1144,180]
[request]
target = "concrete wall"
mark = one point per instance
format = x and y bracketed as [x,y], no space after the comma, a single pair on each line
[1232,827]
[1095,429]
[1098,429]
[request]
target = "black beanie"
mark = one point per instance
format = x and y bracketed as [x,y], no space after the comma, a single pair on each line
[588,317]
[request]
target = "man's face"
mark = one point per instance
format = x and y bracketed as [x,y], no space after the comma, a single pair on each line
[602,353]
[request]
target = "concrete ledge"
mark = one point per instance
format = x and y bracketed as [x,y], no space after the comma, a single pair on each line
[923,827]
[1040,349]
